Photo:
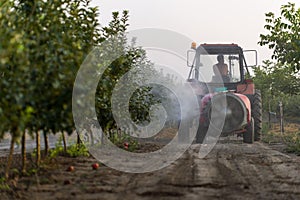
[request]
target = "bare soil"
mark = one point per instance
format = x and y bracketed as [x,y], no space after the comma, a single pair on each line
[233,170]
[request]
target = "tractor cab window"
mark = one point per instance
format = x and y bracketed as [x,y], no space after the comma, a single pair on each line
[218,68]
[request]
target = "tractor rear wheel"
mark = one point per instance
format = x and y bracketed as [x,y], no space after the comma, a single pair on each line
[257,114]
[248,136]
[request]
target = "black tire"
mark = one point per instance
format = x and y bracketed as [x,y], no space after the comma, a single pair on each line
[184,135]
[201,133]
[256,111]
[248,136]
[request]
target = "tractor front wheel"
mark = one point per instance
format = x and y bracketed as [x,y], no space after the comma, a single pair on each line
[248,136]
[184,135]
[201,133]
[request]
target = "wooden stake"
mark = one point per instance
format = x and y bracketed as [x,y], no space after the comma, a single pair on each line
[24,153]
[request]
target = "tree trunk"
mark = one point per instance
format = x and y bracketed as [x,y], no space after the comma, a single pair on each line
[46,143]
[78,139]
[10,157]
[64,142]
[281,117]
[38,148]
[24,153]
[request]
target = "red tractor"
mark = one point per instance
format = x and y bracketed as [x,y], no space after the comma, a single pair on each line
[229,102]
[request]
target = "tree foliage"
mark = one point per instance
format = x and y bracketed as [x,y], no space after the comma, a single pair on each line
[277,83]
[283,36]
[132,58]
[275,79]
[43,44]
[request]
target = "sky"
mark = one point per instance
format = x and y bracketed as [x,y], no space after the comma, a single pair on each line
[210,21]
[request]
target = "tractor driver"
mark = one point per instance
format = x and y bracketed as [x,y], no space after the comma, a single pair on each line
[221,69]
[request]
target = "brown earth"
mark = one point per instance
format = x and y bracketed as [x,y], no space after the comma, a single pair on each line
[233,170]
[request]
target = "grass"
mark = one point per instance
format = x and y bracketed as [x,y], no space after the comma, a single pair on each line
[3,185]
[294,143]
[291,136]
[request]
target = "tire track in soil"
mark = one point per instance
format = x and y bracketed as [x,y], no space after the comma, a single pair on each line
[253,170]
[231,171]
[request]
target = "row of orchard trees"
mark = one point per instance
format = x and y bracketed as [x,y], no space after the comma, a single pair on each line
[279,79]
[42,46]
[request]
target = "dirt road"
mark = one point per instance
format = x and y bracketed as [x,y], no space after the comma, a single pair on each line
[231,171]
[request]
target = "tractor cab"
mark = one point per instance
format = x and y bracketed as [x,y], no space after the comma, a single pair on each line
[206,68]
